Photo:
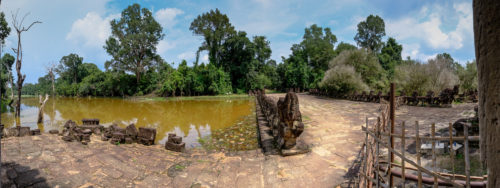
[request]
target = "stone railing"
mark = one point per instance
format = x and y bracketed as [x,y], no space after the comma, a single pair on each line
[445,97]
[280,123]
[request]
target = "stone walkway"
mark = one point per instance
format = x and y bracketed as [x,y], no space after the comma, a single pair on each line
[333,130]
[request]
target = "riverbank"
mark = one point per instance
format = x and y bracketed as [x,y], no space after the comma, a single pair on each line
[179,98]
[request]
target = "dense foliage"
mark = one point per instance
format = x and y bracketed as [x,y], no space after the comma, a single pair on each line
[238,63]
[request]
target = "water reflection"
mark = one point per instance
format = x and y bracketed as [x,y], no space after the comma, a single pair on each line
[188,118]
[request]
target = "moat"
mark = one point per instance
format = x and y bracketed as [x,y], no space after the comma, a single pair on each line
[191,119]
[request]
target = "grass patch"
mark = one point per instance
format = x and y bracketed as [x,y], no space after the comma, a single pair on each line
[444,162]
[179,167]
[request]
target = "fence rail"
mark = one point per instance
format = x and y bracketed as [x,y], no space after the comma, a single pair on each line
[372,166]
[381,134]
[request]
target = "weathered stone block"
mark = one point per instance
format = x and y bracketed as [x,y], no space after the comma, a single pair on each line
[146,136]
[35,132]
[78,137]
[131,131]
[24,131]
[129,140]
[175,147]
[87,121]
[118,135]
[67,138]
[86,137]
[172,138]
[14,131]
[69,124]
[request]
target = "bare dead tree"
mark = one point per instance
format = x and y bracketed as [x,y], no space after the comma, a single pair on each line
[18,26]
[42,105]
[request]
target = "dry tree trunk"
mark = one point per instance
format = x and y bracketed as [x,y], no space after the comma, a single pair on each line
[18,26]
[486,37]
[42,105]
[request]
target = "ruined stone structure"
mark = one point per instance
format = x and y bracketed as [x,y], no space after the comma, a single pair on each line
[280,123]
[486,15]
[174,143]
[90,121]
[113,133]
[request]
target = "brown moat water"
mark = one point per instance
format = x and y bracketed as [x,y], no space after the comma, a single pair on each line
[190,119]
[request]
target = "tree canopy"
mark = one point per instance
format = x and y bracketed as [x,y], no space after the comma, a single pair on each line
[215,29]
[390,56]
[370,33]
[132,44]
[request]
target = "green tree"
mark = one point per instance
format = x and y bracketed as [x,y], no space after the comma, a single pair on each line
[390,56]
[448,61]
[262,50]
[6,62]
[215,29]
[238,59]
[294,71]
[370,33]
[342,46]
[316,49]
[70,68]
[132,44]
[4,30]
[468,77]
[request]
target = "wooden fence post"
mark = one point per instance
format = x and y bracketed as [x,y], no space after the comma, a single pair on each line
[403,153]
[434,168]
[417,145]
[466,154]
[389,153]
[366,153]
[452,151]
[378,152]
[392,115]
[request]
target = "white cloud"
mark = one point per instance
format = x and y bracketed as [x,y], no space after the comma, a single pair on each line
[92,30]
[205,58]
[186,56]
[429,27]
[413,50]
[164,46]
[166,17]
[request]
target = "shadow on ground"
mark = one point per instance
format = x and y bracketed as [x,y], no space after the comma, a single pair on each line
[16,175]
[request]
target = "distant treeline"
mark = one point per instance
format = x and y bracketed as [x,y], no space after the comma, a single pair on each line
[238,63]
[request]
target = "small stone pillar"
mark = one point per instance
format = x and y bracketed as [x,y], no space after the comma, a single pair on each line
[174,143]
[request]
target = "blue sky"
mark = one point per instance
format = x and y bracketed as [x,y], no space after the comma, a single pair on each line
[424,28]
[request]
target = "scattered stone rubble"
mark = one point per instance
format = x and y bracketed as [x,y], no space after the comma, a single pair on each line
[21,131]
[114,134]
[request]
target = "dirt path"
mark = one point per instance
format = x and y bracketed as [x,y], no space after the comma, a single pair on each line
[332,129]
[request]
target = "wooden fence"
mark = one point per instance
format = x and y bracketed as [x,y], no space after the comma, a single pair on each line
[379,173]
[379,135]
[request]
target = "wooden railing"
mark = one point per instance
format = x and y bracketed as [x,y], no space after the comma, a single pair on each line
[375,172]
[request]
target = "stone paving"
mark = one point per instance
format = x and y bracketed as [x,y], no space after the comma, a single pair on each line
[332,129]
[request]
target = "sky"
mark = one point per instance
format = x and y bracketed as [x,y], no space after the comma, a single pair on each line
[424,27]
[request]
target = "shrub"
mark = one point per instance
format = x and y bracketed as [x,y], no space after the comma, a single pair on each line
[366,64]
[342,79]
